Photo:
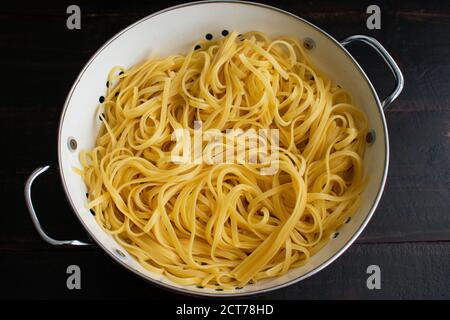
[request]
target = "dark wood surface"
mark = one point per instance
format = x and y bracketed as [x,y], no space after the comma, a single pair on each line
[409,236]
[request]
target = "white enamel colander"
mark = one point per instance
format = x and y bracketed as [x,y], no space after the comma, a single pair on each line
[174,30]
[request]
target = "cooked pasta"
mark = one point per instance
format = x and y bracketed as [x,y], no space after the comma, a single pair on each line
[225,224]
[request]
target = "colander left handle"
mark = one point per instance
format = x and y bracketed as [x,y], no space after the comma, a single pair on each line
[34,218]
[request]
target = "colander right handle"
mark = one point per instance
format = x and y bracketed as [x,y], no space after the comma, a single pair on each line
[399,80]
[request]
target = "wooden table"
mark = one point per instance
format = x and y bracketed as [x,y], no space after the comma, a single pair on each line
[408,236]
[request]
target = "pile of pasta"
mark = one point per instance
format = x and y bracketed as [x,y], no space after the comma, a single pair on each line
[225,225]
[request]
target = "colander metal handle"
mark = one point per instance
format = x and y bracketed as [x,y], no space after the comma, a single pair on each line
[399,80]
[34,217]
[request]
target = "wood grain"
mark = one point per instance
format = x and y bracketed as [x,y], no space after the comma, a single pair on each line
[42,275]
[40,59]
